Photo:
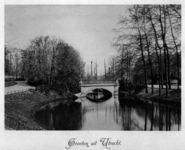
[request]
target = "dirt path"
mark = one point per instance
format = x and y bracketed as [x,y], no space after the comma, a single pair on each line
[20,86]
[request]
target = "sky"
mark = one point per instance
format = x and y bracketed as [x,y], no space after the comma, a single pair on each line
[87,28]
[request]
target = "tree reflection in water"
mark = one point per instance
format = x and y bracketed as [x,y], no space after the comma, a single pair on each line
[61,117]
[154,117]
[113,114]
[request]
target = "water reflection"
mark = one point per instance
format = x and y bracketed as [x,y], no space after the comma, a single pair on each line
[112,114]
[61,117]
[99,95]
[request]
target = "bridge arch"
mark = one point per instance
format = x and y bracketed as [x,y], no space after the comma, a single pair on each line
[111,86]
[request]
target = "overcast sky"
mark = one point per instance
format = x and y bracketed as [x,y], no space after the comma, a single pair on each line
[87,28]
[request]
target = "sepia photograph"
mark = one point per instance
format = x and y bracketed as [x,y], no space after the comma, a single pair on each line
[92,67]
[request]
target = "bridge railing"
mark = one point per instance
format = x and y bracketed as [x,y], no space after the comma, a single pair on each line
[97,81]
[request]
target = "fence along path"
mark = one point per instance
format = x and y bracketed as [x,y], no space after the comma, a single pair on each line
[18,91]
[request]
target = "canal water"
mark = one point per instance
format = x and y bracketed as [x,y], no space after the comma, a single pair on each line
[113,114]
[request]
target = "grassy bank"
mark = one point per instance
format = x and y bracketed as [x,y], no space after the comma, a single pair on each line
[7,84]
[20,108]
[174,97]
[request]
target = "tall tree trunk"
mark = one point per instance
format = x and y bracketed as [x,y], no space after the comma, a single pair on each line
[176,48]
[167,50]
[142,52]
[150,61]
[166,71]
[159,70]
[161,66]
[163,33]
[144,67]
[158,46]
[169,70]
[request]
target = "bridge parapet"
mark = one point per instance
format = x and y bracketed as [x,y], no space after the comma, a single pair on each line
[97,81]
[89,85]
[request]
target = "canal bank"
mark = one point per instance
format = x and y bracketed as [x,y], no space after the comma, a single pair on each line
[32,110]
[173,99]
[21,107]
[116,113]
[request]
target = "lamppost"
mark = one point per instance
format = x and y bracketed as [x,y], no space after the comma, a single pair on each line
[113,68]
[91,69]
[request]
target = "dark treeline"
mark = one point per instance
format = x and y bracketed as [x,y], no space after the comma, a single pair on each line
[149,46]
[48,61]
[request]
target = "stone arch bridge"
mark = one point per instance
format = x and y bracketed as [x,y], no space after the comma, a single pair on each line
[89,85]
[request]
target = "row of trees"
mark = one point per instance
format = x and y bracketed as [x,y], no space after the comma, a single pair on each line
[12,62]
[51,61]
[149,45]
